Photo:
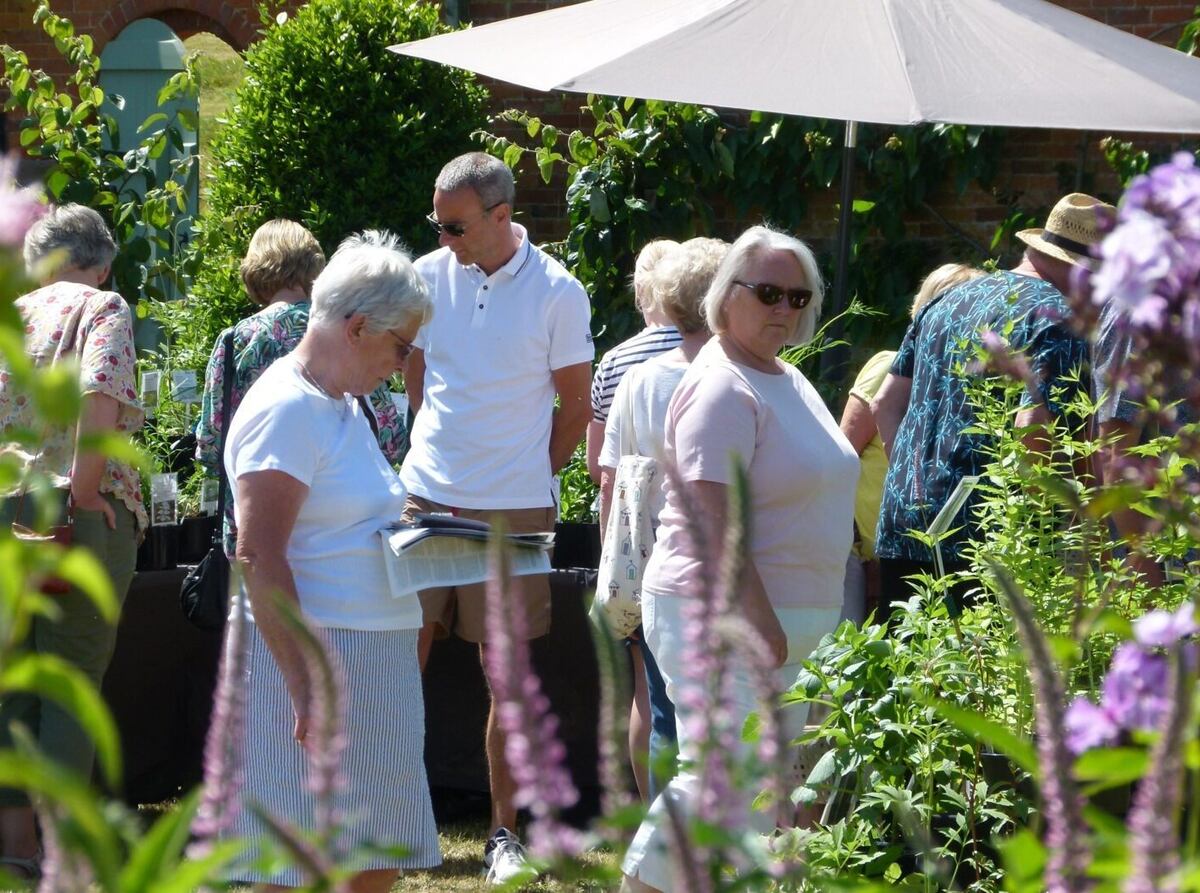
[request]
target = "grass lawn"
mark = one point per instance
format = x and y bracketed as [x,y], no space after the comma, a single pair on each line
[462,858]
[219,69]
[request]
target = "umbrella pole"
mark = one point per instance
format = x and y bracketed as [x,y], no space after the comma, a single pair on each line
[834,360]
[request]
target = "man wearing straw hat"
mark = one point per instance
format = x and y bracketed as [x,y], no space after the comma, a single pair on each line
[922,409]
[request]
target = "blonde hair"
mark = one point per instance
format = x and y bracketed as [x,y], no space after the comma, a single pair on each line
[679,283]
[755,241]
[282,254]
[651,255]
[944,277]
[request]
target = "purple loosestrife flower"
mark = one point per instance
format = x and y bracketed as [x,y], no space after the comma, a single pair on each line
[62,870]
[20,207]
[1002,359]
[1152,831]
[223,769]
[1069,852]
[535,754]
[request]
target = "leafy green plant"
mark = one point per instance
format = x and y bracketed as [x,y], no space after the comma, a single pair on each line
[330,129]
[912,799]
[577,492]
[648,169]
[66,128]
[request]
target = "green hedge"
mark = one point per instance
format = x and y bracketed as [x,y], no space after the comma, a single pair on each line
[331,129]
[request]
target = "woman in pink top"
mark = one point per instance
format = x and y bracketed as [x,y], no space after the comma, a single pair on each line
[71,319]
[738,403]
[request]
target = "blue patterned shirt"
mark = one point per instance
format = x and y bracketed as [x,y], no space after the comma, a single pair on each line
[932,451]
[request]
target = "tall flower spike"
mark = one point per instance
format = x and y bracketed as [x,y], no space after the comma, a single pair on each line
[536,757]
[772,742]
[1069,851]
[1152,832]
[223,769]
[327,697]
[613,725]
[62,870]
[702,695]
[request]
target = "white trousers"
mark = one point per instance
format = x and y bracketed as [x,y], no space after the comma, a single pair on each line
[648,858]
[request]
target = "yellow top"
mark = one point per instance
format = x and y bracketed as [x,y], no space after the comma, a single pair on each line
[874,460]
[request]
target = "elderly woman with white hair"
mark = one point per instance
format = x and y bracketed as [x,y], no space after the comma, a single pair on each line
[71,318]
[312,490]
[739,404]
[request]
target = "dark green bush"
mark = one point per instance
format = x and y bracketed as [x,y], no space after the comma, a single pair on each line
[330,129]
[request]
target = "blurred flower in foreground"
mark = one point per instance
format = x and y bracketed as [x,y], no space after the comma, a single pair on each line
[20,207]
[1149,272]
[1136,693]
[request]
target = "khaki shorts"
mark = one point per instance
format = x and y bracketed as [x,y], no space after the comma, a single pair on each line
[461,609]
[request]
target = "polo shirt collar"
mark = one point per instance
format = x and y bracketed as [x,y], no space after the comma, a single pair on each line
[520,257]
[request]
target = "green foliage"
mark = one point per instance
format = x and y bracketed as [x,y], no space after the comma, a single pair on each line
[913,798]
[1189,40]
[648,169]
[577,490]
[1044,518]
[65,127]
[332,130]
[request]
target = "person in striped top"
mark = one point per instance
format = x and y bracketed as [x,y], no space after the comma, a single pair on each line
[658,337]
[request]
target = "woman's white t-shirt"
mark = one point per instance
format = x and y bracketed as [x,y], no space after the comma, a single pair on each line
[285,423]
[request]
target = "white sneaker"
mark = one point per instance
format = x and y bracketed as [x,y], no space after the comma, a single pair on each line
[505,858]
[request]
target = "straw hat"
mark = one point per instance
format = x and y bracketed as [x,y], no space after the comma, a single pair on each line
[1071,230]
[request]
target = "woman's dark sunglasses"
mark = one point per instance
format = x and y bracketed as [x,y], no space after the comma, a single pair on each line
[457,230]
[771,295]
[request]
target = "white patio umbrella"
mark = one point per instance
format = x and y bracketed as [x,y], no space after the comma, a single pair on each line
[1016,63]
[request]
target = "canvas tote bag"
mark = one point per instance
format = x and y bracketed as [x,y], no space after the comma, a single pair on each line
[629,535]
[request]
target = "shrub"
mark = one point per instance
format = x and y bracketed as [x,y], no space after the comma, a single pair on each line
[331,129]
[64,126]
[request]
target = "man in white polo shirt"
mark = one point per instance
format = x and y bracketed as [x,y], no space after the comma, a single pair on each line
[511,330]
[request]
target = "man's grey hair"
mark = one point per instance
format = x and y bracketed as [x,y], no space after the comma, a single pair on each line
[371,273]
[489,177]
[751,243]
[69,236]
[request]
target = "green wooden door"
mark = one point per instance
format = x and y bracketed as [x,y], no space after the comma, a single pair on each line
[134,67]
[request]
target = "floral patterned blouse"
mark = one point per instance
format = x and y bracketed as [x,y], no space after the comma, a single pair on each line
[71,321]
[258,341]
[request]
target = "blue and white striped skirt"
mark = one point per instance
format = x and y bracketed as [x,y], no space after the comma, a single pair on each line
[385,797]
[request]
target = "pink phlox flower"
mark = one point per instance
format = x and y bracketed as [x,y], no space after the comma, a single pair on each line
[1089,726]
[1163,629]
[20,206]
[1135,689]
[1137,256]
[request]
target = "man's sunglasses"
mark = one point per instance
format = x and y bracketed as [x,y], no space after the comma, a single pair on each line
[457,230]
[797,298]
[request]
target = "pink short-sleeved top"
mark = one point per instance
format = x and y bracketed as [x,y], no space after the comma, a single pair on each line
[802,477]
[70,321]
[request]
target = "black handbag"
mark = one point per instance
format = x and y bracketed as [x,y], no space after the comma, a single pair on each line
[204,596]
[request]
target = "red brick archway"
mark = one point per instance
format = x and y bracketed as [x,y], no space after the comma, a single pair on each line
[234,21]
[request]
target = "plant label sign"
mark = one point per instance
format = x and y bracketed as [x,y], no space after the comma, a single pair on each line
[164,500]
[151,382]
[209,491]
[183,386]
